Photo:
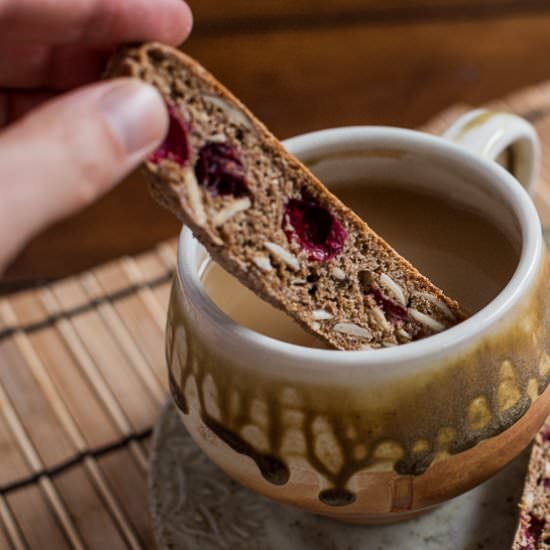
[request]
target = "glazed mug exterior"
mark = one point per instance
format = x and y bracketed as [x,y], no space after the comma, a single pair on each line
[379,436]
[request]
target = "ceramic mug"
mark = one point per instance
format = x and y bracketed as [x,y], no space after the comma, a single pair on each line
[381,435]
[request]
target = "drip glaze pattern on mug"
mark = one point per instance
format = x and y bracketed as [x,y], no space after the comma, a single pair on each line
[446,413]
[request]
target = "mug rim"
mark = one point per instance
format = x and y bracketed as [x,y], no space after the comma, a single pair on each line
[337,140]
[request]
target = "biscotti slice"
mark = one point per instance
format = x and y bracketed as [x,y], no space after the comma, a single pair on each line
[533,532]
[270,222]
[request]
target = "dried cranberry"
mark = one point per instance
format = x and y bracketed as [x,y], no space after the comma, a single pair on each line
[545,435]
[315,228]
[394,312]
[175,146]
[527,545]
[536,526]
[220,170]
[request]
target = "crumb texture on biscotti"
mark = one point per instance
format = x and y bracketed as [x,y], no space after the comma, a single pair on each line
[266,219]
[533,532]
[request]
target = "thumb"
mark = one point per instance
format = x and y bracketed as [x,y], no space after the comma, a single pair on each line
[66,154]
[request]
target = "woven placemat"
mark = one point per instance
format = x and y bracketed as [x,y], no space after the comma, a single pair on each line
[82,379]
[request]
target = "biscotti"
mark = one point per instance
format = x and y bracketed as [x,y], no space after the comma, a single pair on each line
[533,532]
[270,222]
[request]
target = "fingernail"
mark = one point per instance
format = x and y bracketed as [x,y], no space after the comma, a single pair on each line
[135,113]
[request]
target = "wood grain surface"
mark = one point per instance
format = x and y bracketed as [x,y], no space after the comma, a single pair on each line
[302,65]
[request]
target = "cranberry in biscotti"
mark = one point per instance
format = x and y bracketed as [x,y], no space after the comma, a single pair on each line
[545,434]
[175,146]
[393,311]
[314,228]
[220,170]
[532,532]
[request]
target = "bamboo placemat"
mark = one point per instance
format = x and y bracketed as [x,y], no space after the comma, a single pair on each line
[82,379]
[81,383]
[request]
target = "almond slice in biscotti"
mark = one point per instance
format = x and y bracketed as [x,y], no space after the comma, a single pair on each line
[267,220]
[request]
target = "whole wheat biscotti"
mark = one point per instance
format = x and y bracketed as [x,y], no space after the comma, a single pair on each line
[533,532]
[270,222]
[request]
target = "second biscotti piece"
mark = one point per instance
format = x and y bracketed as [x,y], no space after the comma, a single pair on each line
[266,219]
[533,532]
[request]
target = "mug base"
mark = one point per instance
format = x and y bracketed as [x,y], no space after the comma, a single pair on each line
[194,504]
[382,519]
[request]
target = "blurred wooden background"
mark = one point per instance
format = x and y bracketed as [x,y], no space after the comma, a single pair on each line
[302,65]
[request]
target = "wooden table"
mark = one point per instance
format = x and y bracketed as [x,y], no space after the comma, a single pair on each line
[302,65]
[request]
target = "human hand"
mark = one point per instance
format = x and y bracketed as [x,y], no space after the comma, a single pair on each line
[62,148]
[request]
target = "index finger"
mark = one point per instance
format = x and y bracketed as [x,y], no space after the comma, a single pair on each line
[94,22]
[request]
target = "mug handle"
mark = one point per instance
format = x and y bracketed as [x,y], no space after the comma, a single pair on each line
[507,139]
